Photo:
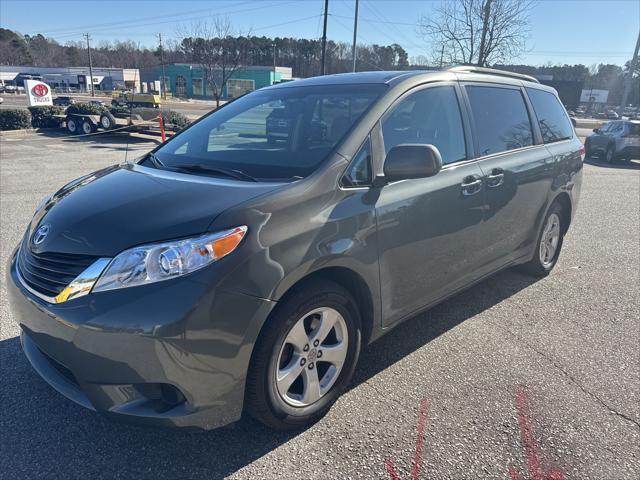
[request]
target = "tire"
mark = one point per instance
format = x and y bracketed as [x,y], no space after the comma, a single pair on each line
[287,407]
[536,266]
[86,127]
[610,155]
[107,121]
[72,126]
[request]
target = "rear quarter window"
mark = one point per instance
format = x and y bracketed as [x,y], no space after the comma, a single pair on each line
[552,119]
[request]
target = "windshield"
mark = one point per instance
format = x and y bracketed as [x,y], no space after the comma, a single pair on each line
[271,134]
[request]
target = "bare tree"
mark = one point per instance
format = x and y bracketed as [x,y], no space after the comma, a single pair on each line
[211,44]
[478,32]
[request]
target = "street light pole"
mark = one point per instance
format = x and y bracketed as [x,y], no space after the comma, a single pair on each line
[93,94]
[355,34]
[162,89]
[324,36]
[629,79]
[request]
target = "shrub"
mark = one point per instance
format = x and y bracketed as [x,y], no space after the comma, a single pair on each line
[118,109]
[86,109]
[175,118]
[15,119]
[43,117]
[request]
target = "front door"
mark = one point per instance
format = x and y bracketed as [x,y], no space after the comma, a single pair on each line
[427,239]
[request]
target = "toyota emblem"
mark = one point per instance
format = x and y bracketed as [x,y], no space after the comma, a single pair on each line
[40,90]
[41,234]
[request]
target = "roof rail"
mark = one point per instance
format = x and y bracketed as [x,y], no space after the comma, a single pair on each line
[493,71]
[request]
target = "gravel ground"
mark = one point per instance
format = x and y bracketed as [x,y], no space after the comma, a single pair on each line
[516,377]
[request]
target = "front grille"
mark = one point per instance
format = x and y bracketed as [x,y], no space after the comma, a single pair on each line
[49,273]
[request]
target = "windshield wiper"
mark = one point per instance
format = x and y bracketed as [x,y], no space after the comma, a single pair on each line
[195,168]
[156,161]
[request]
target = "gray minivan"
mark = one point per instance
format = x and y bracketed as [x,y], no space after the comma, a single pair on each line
[225,271]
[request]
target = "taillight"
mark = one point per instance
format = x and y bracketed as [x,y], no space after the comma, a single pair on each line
[583,152]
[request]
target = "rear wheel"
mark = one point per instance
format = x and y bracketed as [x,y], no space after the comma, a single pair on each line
[305,358]
[549,244]
[107,121]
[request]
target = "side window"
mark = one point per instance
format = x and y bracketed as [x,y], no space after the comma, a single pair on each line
[358,173]
[501,119]
[553,121]
[429,116]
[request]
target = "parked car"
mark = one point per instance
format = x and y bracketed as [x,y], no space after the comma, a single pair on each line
[617,140]
[64,101]
[10,88]
[612,115]
[220,273]
[1,100]
[97,102]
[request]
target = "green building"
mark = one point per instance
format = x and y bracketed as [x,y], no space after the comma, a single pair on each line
[187,80]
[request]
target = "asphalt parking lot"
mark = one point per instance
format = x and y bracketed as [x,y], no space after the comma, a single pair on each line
[512,379]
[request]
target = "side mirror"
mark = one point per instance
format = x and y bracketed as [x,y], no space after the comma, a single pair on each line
[412,161]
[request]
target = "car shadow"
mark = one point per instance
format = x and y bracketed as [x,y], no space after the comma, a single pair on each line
[45,434]
[619,165]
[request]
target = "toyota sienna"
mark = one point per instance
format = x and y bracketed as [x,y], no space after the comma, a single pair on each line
[243,264]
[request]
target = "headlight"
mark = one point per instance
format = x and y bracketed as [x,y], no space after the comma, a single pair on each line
[162,261]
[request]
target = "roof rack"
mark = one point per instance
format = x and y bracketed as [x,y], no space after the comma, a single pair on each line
[493,71]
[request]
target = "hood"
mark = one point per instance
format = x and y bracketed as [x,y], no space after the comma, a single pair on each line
[113,209]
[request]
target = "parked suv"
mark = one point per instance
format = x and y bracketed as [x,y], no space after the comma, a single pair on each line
[617,140]
[64,101]
[221,273]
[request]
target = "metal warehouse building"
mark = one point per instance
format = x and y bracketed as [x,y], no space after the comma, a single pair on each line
[187,80]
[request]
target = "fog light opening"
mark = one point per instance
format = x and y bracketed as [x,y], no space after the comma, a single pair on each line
[171,395]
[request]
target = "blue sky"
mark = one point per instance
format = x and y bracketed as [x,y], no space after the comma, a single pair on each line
[562,31]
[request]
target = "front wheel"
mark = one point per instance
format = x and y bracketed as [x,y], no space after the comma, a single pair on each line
[609,156]
[305,357]
[549,244]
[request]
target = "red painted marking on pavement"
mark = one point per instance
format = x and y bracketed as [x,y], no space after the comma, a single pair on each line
[417,457]
[388,464]
[422,423]
[513,473]
[529,443]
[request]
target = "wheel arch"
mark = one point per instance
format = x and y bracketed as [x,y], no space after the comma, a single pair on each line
[348,279]
[564,200]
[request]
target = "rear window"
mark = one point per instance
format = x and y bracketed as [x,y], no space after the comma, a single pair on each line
[553,121]
[501,119]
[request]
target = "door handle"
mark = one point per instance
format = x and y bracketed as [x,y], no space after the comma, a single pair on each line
[471,185]
[496,178]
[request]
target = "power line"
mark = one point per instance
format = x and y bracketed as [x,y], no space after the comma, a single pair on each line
[73,34]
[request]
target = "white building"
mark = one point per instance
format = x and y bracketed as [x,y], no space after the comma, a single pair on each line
[74,78]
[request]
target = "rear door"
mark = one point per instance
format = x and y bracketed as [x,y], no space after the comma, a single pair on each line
[517,170]
[427,228]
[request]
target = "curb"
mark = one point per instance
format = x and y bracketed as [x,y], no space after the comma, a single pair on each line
[26,132]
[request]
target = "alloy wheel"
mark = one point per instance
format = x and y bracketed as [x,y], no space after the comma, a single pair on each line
[550,240]
[312,357]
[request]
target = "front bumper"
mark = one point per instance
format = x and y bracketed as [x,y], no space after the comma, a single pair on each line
[173,353]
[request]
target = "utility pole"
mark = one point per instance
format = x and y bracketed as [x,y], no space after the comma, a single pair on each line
[442,57]
[485,27]
[274,60]
[93,94]
[629,79]
[324,36]
[355,34]
[162,89]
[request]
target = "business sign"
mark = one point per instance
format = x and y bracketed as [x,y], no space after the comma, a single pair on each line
[594,96]
[38,93]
